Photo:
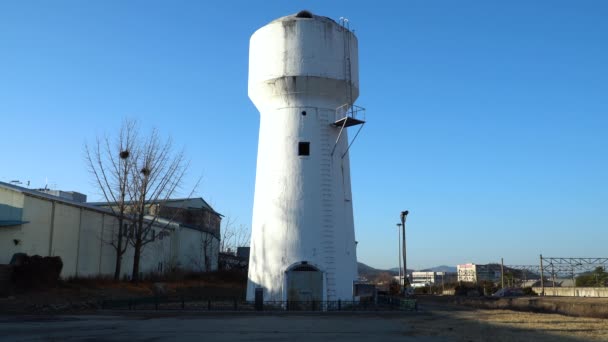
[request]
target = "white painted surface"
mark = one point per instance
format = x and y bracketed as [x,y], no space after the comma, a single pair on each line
[65,237]
[107,260]
[89,249]
[192,250]
[573,292]
[302,206]
[36,233]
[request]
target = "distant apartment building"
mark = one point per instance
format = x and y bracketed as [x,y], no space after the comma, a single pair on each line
[433,277]
[473,273]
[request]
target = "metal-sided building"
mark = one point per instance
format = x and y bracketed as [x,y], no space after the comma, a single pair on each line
[38,223]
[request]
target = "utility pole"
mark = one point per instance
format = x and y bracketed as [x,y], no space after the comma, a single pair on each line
[502,273]
[403,218]
[399,255]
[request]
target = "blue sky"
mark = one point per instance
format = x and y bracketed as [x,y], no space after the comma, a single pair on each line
[486,119]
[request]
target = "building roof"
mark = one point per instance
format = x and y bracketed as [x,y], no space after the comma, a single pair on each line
[185,203]
[45,196]
[190,203]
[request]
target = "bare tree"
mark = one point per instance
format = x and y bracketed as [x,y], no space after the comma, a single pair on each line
[233,236]
[208,247]
[136,177]
[160,172]
[111,164]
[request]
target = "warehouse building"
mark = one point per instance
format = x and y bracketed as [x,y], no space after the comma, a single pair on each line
[38,223]
[198,230]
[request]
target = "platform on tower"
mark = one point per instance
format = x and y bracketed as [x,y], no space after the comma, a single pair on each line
[348,121]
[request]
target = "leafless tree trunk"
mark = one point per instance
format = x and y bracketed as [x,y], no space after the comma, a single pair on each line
[111,164]
[207,244]
[160,172]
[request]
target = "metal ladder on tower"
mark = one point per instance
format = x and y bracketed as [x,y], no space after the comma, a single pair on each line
[327,216]
[348,114]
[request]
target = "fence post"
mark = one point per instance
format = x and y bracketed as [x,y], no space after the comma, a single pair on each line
[314,305]
[259,299]
[339,304]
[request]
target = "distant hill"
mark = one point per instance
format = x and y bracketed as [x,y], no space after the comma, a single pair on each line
[368,271]
[442,268]
[396,270]
[375,275]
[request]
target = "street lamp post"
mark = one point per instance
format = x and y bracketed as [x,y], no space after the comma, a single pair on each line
[403,218]
[399,254]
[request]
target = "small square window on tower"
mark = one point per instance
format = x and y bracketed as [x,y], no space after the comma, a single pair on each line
[304,149]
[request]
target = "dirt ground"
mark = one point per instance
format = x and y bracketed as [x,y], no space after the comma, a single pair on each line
[69,312]
[431,323]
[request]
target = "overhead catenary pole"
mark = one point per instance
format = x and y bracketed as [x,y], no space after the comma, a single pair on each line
[573,282]
[553,277]
[502,273]
[542,277]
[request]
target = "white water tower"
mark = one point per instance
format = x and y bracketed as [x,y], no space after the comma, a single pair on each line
[304,79]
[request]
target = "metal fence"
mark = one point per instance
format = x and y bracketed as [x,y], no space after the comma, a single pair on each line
[232,304]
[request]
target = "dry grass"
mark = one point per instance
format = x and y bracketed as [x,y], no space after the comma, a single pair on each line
[507,325]
[92,289]
[582,327]
[172,282]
